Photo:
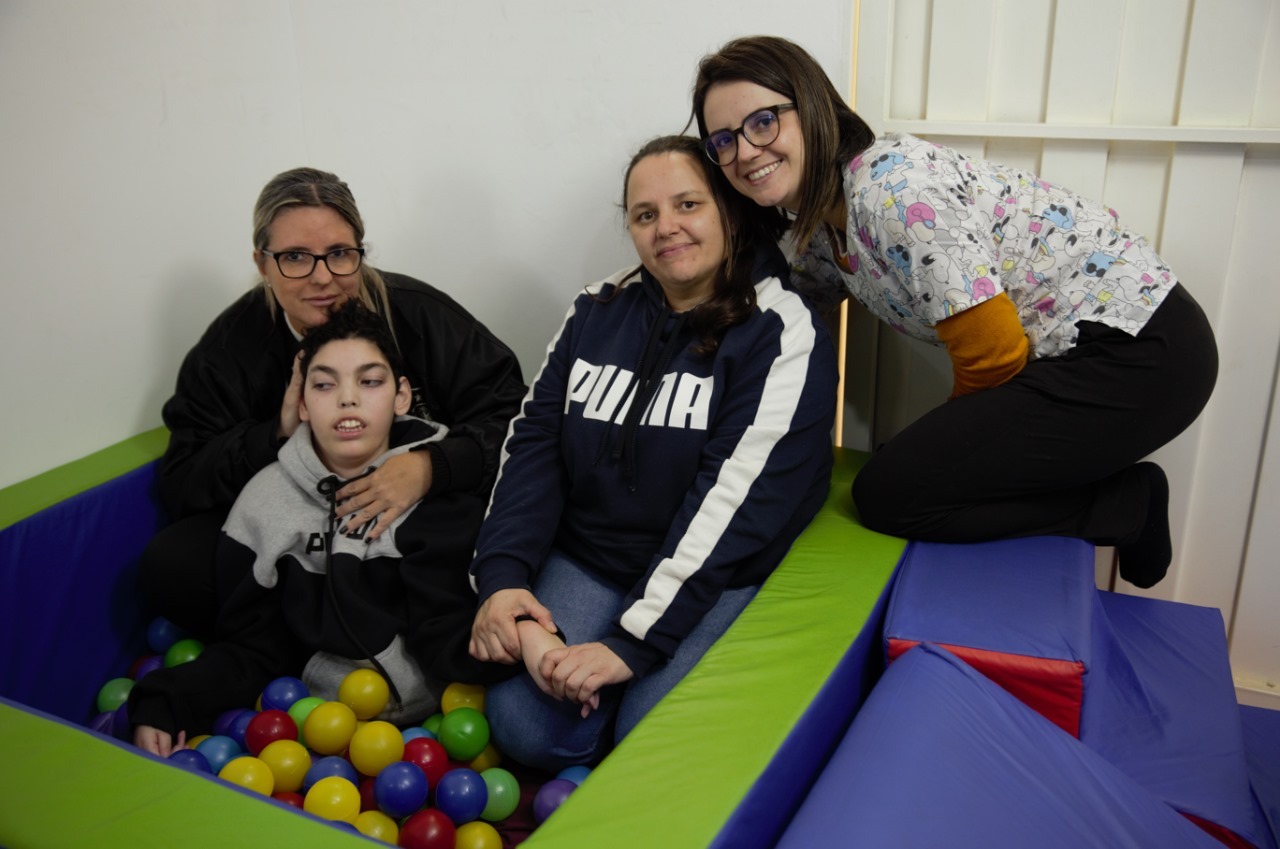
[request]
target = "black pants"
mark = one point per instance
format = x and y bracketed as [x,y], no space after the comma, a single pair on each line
[178,576]
[1051,451]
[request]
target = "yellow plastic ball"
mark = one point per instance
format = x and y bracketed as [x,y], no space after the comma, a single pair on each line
[250,773]
[196,740]
[375,745]
[379,826]
[478,835]
[458,695]
[288,761]
[333,798]
[490,757]
[365,692]
[329,727]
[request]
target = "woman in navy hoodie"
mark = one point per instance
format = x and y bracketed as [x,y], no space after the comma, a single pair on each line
[674,444]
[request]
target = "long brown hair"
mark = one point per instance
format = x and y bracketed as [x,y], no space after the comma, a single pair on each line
[833,133]
[734,295]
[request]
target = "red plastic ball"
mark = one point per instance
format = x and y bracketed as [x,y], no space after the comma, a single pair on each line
[368,802]
[428,829]
[267,727]
[289,798]
[430,756]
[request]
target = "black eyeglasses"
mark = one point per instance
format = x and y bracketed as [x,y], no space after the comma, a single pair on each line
[760,129]
[295,264]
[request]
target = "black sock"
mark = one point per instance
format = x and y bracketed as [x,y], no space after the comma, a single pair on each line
[1145,561]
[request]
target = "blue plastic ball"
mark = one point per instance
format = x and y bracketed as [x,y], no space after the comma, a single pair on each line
[576,774]
[239,725]
[281,693]
[192,760]
[121,727]
[413,732]
[161,634]
[219,749]
[328,766]
[222,725]
[400,789]
[461,795]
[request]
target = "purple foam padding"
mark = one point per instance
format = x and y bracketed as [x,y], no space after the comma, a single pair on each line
[768,806]
[69,613]
[941,756]
[1262,752]
[1024,604]
[1161,706]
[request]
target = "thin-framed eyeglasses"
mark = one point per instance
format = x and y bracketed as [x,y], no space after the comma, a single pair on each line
[760,129]
[295,264]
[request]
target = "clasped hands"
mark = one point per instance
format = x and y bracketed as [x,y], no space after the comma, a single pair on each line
[575,672]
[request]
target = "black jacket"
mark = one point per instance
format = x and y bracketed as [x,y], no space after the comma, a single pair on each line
[223,415]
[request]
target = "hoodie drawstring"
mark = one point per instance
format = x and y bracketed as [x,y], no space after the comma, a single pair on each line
[328,487]
[653,365]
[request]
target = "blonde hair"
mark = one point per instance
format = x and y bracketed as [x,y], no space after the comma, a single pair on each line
[312,187]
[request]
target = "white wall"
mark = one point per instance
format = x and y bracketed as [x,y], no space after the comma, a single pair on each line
[484,143]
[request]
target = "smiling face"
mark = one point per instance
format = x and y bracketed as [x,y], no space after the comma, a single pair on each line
[314,230]
[676,227]
[771,175]
[350,397]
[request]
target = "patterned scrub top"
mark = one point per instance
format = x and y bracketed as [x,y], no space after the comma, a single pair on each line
[932,232]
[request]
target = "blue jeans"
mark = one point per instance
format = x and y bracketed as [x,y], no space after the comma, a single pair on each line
[539,731]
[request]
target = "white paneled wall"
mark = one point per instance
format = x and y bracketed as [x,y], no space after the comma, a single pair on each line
[1169,112]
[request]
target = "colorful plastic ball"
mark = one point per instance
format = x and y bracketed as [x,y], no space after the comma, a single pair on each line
[429,756]
[504,794]
[289,798]
[462,795]
[121,727]
[222,722]
[161,634]
[365,692]
[400,789]
[375,745]
[183,651]
[329,767]
[329,727]
[219,749]
[576,774]
[464,732]
[114,693]
[428,829]
[413,732]
[267,727]
[289,762]
[300,710]
[432,724]
[191,760]
[487,759]
[239,728]
[102,723]
[478,835]
[197,740]
[551,796]
[333,798]
[145,665]
[458,695]
[249,773]
[281,693]
[378,825]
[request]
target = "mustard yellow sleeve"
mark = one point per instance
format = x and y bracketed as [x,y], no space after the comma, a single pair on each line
[986,343]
